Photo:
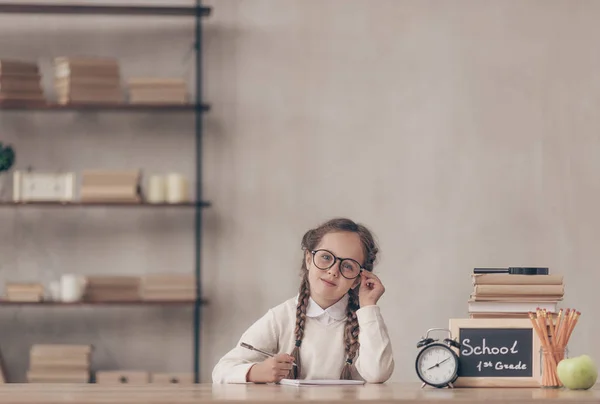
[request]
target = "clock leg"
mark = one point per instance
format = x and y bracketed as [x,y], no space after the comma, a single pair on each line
[423,385]
[450,385]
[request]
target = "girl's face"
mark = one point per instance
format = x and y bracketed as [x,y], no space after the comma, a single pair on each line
[327,286]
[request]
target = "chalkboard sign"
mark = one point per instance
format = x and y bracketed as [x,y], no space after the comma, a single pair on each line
[497,352]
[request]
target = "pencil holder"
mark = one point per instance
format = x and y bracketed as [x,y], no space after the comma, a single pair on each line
[549,360]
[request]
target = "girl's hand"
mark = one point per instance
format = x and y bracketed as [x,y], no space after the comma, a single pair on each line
[271,370]
[370,289]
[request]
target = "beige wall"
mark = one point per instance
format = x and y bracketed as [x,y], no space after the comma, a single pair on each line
[464,133]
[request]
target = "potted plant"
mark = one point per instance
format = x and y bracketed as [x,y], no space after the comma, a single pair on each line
[7,160]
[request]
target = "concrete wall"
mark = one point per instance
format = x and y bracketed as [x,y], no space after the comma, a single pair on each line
[464,133]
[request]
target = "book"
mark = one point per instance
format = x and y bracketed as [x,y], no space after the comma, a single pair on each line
[508,279]
[511,307]
[516,290]
[325,382]
[499,315]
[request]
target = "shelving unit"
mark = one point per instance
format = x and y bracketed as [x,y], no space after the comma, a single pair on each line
[198,108]
[105,303]
[108,107]
[101,204]
[42,8]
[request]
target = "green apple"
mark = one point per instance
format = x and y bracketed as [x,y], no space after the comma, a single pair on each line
[578,373]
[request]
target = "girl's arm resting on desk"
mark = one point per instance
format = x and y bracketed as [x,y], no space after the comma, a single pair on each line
[235,365]
[375,362]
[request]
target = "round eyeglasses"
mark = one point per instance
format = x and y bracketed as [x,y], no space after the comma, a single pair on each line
[323,259]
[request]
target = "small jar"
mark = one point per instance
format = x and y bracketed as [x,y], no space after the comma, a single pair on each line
[156,189]
[549,360]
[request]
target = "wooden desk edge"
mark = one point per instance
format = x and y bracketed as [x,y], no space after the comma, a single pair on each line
[405,393]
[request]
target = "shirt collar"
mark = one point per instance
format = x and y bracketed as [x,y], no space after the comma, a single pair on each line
[336,311]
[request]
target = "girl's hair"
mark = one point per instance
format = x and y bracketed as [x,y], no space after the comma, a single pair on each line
[310,241]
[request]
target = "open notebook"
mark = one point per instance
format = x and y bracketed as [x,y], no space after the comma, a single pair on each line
[293,382]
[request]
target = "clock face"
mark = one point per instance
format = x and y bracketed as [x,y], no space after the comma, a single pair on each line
[437,365]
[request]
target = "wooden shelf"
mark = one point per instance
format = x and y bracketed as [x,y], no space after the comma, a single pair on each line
[41,8]
[106,107]
[4,302]
[104,204]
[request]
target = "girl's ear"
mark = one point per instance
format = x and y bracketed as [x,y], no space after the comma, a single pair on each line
[307,259]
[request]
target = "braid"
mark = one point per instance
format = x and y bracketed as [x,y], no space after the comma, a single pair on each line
[300,322]
[351,334]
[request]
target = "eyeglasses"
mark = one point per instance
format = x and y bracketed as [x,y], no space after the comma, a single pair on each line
[349,268]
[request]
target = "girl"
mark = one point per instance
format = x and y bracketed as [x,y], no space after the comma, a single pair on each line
[333,327]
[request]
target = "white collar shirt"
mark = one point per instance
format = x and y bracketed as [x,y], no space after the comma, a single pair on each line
[332,314]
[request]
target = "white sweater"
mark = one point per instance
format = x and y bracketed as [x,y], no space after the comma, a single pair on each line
[322,352]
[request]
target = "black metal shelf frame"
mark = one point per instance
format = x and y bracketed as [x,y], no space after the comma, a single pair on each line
[197,12]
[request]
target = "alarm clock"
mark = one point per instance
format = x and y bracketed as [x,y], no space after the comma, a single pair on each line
[437,362]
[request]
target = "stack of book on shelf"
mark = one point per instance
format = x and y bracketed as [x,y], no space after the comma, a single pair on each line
[59,363]
[514,296]
[111,288]
[157,91]
[168,287]
[87,80]
[111,186]
[24,292]
[20,83]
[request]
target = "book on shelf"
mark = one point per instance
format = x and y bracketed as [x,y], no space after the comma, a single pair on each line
[42,364]
[18,67]
[110,194]
[78,82]
[89,66]
[86,96]
[58,376]
[59,363]
[20,83]
[61,350]
[112,288]
[87,80]
[168,287]
[24,292]
[157,90]
[111,186]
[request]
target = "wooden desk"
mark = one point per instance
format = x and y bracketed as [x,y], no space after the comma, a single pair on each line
[275,394]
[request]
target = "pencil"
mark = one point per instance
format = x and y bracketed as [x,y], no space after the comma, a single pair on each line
[250,347]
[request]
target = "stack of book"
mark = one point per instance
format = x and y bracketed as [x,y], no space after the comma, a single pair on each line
[168,287]
[87,80]
[109,288]
[20,83]
[111,186]
[24,292]
[514,296]
[59,363]
[157,91]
